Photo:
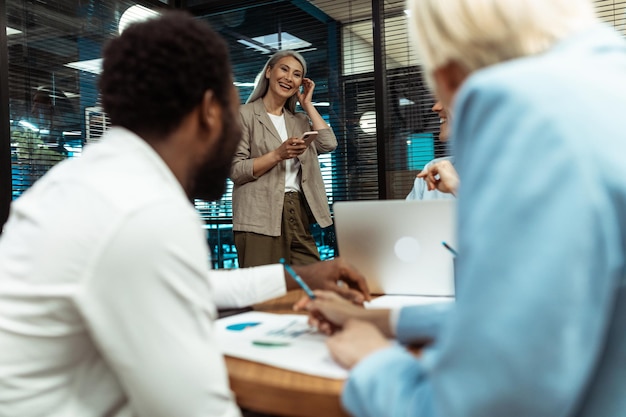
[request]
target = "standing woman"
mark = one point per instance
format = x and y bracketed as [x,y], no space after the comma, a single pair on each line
[278,190]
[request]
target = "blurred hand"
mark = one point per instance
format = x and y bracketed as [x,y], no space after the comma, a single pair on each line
[291,148]
[335,275]
[357,340]
[329,311]
[441,176]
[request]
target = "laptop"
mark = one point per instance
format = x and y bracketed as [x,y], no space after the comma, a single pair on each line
[397,244]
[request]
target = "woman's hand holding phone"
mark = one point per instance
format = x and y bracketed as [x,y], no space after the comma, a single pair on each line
[294,147]
[309,137]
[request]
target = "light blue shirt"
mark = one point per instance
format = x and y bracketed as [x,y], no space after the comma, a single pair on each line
[539,327]
[421,192]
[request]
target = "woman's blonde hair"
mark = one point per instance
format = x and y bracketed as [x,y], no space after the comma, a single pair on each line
[262,84]
[475,34]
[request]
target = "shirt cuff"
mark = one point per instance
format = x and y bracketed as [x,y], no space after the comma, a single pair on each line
[420,322]
[394,318]
[378,380]
[236,288]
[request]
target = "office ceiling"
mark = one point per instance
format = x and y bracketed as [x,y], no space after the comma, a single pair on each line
[53,25]
[349,11]
[344,11]
[57,32]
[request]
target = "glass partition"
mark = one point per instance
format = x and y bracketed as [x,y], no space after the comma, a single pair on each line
[54,48]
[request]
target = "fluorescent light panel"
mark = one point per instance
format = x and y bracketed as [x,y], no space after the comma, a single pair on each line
[271,42]
[92,65]
[243,84]
[12,31]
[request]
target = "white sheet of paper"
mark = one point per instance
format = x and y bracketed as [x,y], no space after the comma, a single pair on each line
[280,340]
[397,301]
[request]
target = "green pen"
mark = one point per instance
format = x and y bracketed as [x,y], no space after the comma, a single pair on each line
[266,343]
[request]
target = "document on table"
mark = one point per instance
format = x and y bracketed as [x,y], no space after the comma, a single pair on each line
[280,340]
[397,301]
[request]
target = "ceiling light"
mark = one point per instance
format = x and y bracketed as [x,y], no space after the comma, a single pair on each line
[367,122]
[28,125]
[11,31]
[92,65]
[242,84]
[135,14]
[272,42]
[254,46]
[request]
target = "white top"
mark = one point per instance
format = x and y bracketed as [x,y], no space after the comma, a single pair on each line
[292,166]
[106,300]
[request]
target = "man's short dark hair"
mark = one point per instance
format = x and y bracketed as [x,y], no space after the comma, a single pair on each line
[157,71]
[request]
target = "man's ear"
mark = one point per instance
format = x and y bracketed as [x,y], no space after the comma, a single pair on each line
[448,80]
[211,114]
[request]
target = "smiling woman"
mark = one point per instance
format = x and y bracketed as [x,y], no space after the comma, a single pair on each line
[279,191]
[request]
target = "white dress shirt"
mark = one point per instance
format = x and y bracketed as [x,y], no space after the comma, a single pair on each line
[107,302]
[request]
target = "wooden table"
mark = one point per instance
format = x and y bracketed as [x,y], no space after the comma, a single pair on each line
[263,388]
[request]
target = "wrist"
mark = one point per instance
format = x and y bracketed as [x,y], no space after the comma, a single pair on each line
[454,188]
[379,317]
[373,315]
[307,107]
[277,157]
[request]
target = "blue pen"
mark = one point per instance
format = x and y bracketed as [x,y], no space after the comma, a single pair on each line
[297,278]
[449,248]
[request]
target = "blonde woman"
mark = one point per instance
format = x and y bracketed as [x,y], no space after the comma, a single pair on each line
[538,92]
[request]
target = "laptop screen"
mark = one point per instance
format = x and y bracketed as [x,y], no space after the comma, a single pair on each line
[397,244]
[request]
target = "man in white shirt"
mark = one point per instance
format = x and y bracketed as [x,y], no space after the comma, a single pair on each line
[438,179]
[106,299]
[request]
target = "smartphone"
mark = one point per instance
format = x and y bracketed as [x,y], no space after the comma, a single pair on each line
[309,137]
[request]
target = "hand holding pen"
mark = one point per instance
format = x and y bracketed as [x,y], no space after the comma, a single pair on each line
[329,312]
[333,275]
[297,278]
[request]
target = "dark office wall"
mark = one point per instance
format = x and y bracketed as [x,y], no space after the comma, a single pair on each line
[5,139]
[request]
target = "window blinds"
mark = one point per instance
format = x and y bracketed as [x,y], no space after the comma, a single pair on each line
[54,47]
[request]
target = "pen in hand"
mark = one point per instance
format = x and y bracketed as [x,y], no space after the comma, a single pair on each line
[298,279]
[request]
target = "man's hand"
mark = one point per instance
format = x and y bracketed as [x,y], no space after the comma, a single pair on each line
[441,176]
[329,311]
[357,340]
[333,275]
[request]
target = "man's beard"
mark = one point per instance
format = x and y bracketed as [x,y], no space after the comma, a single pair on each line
[210,181]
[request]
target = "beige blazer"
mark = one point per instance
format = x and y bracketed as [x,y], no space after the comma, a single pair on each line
[258,201]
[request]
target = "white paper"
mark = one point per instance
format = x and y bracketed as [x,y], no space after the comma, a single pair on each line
[397,301]
[280,340]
